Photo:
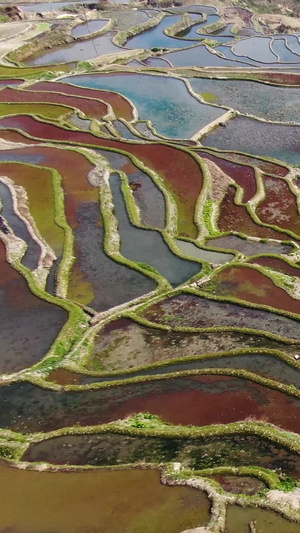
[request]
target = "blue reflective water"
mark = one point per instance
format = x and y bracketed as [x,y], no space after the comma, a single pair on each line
[265,139]
[47,6]
[257,48]
[155,62]
[163,100]
[200,56]
[78,51]
[284,54]
[89,27]
[139,245]
[280,104]
[227,52]
[293,44]
[155,37]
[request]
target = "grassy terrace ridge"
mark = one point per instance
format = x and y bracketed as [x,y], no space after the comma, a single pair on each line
[184,24]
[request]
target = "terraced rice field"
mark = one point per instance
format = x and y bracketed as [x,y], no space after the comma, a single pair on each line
[150,267]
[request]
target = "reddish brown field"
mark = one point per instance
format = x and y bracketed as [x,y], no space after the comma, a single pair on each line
[264,166]
[206,400]
[279,206]
[15,137]
[278,78]
[243,175]
[249,285]
[10,81]
[236,218]
[277,264]
[91,108]
[120,105]
[72,167]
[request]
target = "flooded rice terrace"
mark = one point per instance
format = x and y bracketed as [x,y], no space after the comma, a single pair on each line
[150,267]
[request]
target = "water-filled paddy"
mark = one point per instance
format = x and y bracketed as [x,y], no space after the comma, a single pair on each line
[238,519]
[89,27]
[257,48]
[122,108]
[264,365]
[138,245]
[258,138]
[161,179]
[157,38]
[236,218]
[36,321]
[91,108]
[179,170]
[38,185]
[80,123]
[280,49]
[264,101]
[148,197]
[190,249]
[267,166]
[277,264]
[94,275]
[68,502]
[197,400]
[197,453]
[165,101]
[124,131]
[76,51]
[279,206]
[293,44]
[249,285]
[195,311]
[247,247]
[243,175]
[124,344]
[47,6]
[200,56]
[19,228]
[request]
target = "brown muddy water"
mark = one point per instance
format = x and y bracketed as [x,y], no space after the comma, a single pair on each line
[96,502]
[238,520]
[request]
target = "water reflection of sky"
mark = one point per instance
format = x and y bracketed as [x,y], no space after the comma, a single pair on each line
[165,101]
